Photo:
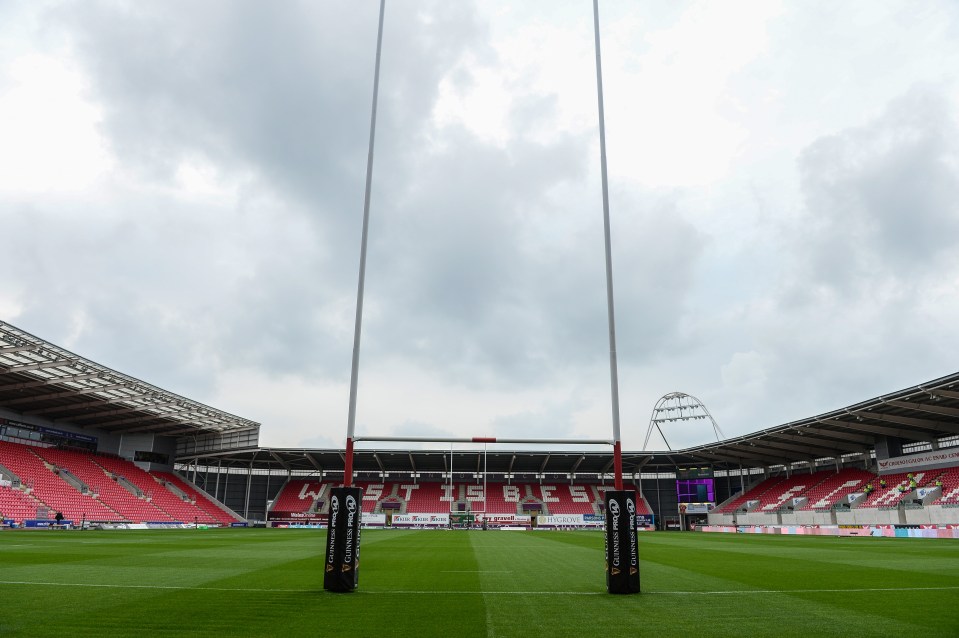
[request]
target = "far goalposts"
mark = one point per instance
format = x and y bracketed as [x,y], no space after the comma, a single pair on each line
[485,440]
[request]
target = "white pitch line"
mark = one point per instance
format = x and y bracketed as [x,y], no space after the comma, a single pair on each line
[419,592]
[799,591]
[258,590]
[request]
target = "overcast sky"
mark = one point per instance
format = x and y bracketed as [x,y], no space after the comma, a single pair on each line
[181,197]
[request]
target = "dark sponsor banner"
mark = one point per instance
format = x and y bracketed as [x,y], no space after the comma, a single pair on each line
[622,553]
[45,523]
[61,433]
[645,520]
[341,569]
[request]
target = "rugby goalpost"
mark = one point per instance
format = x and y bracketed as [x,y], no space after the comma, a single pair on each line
[343,535]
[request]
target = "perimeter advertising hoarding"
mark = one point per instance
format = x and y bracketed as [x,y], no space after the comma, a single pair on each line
[341,569]
[570,520]
[421,520]
[622,553]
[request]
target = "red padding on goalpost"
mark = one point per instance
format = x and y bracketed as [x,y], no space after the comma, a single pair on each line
[484,439]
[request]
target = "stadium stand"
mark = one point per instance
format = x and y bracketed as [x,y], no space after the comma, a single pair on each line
[751,494]
[427,498]
[215,512]
[105,487]
[49,489]
[85,486]
[836,486]
[154,490]
[502,498]
[950,487]
[298,496]
[787,489]
[897,488]
[567,499]
[373,494]
[17,506]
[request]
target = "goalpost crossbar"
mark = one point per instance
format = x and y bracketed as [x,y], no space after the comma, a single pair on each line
[480,439]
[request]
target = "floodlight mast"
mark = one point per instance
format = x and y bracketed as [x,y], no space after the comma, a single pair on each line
[355,367]
[613,375]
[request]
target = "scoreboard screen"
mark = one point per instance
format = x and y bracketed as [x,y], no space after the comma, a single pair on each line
[696,491]
[683,473]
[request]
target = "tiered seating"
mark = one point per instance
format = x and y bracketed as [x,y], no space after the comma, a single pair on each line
[51,490]
[772,499]
[753,494]
[428,498]
[950,487]
[108,491]
[502,498]
[16,505]
[566,499]
[173,507]
[890,496]
[297,495]
[202,502]
[373,493]
[836,486]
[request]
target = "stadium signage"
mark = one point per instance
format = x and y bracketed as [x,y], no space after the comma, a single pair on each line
[424,520]
[44,523]
[378,520]
[499,520]
[696,508]
[570,520]
[350,520]
[926,460]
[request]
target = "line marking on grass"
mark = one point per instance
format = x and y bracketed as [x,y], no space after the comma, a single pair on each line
[851,590]
[257,590]
[420,592]
[476,571]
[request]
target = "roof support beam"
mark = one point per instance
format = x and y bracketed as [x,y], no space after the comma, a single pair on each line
[312,460]
[67,379]
[279,460]
[926,407]
[929,424]
[823,444]
[877,430]
[542,468]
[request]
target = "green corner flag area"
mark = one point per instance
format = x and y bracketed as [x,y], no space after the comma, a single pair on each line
[263,582]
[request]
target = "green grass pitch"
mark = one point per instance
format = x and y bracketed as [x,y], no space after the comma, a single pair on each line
[458,584]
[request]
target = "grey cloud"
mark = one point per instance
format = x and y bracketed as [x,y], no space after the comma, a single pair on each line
[285,92]
[881,198]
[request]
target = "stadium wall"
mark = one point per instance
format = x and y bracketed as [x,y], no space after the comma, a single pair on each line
[928,515]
